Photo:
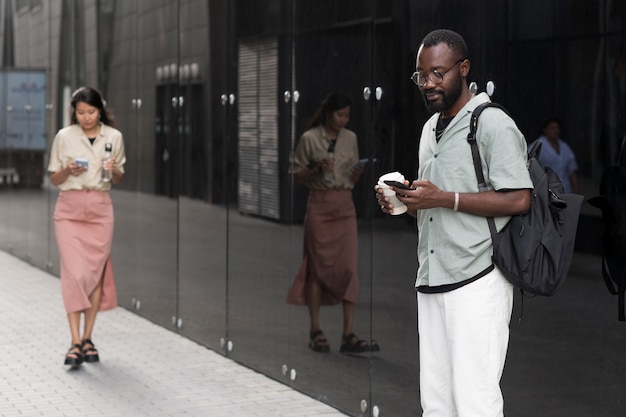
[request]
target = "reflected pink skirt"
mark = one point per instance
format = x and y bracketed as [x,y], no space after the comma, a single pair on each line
[83,224]
[330,249]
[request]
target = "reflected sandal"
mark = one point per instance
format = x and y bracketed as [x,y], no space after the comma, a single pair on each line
[318,342]
[350,343]
[374,346]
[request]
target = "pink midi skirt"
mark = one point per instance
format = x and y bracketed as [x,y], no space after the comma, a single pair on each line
[330,249]
[83,224]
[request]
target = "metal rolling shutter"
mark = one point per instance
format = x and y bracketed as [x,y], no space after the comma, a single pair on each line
[258,128]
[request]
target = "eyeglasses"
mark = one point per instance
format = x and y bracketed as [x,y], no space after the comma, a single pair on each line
[435,76]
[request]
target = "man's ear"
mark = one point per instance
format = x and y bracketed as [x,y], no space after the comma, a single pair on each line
[465,67]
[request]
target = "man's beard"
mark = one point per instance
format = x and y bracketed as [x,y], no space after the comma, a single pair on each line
[447,99]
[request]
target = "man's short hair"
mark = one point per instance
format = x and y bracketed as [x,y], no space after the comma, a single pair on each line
[455,42]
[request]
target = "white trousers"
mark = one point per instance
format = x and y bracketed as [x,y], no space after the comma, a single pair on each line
[463,339]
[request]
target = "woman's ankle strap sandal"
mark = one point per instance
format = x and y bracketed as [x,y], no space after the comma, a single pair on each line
[74,356]
[350,343]
[90,353]
[318,342]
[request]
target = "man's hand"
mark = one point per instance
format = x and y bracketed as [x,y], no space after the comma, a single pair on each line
[384,201]
[423,195]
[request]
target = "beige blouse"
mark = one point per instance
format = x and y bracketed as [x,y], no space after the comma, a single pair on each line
[313,147]
[71,143]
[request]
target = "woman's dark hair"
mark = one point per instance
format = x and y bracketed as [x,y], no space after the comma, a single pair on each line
[332,103]
[550,121]
[92,97]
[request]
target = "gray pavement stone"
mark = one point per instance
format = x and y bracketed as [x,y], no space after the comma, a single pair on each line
[145,370]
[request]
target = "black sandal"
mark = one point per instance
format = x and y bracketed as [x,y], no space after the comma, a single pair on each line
[374,346]
[74,356]
[90,353]
[350,343]
[318,342]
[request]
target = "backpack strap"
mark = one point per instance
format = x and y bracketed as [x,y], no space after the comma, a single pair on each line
[615,289]
[471,139]
[482,184]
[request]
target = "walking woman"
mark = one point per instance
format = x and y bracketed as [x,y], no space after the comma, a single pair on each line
[83,216]
[326,162]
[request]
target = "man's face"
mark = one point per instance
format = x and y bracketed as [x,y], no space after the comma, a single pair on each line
[439,97]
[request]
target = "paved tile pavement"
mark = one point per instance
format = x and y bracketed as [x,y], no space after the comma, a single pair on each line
[145,370]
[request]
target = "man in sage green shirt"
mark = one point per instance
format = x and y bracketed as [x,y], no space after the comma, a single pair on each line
[464,301]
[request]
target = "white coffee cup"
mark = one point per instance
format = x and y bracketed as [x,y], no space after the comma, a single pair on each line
[398,206]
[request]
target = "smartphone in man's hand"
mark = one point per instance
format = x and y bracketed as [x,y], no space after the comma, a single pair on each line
[398,184]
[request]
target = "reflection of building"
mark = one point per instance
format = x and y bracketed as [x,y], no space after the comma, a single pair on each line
[205,87]
[212,95]
[22,126]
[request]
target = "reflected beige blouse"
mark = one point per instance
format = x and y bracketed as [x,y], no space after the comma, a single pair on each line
[71,143]
[313,147]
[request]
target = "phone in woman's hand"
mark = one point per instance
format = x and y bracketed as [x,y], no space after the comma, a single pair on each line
[363,162]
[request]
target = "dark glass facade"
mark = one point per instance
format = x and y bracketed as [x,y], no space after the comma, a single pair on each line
[212,95]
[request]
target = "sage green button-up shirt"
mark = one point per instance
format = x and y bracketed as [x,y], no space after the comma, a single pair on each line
[455,246]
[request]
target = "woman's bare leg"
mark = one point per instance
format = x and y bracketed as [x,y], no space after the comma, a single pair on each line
[74,320]
[349,338]
[74,354]
[90,354]
[90,314]
[314,293]
[348,317]
[318,342]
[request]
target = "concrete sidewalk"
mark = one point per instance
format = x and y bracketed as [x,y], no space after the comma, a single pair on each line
[145,370]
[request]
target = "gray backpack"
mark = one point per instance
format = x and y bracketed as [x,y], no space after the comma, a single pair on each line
[534,250]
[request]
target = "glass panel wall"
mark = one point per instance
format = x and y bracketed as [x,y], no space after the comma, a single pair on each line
[395,135]
[123,94]
[332,52]
[212,99]
[24,95]
[258,236]
[202,236]
[144,92]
